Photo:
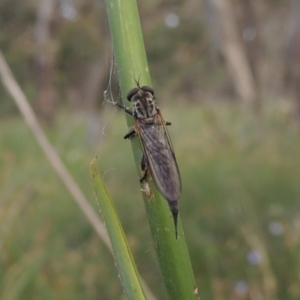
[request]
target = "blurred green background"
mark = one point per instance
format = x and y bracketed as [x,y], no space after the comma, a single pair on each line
[226,75]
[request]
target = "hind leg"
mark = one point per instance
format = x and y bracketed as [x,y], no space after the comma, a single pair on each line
[144,168]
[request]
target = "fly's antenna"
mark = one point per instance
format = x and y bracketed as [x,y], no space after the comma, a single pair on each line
[137,81]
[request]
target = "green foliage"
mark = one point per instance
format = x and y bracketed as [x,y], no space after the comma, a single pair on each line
[240,179]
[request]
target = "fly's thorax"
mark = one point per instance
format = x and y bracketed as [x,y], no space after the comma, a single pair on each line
[145,107]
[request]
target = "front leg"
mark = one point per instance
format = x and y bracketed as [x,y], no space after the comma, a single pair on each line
[127,110]
[130,112]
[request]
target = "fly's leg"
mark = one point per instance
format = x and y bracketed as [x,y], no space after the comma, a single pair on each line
[144,168]
[130,112]
[129,134]
[146,189]
[127,110]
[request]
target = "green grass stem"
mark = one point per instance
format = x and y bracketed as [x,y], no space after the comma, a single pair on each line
[132,65]
[125,263]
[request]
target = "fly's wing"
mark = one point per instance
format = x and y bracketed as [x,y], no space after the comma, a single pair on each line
[160,156]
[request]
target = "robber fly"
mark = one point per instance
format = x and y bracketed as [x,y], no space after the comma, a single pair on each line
[158,154]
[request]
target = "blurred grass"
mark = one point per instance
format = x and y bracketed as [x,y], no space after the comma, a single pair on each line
[240,181]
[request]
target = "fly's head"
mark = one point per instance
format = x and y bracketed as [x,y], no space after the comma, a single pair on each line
[143,102]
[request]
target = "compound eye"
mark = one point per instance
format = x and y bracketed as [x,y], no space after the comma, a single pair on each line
[131,93]
[146,88]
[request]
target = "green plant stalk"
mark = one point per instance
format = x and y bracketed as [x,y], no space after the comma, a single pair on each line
[132,65]
[122,254]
